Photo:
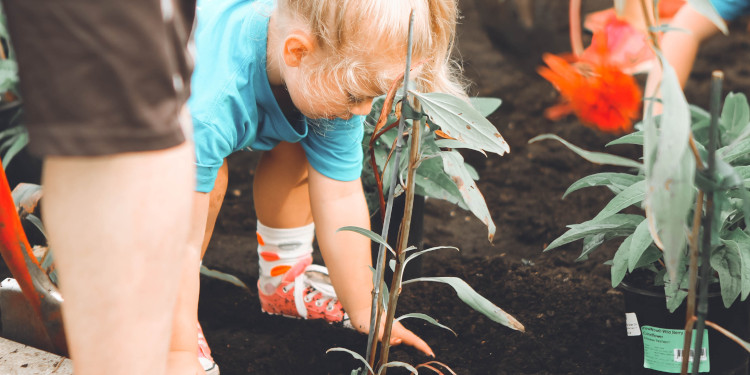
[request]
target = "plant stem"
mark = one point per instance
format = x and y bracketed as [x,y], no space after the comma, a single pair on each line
[649,22]
[375,310]
[416,131]
[574,19]
[690,313]
[717,78]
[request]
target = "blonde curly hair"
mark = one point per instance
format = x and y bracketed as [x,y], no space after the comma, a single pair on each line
[355,37]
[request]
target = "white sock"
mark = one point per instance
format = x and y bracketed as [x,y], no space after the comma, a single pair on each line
[279,250]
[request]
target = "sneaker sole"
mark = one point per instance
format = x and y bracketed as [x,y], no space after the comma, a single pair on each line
[346,323]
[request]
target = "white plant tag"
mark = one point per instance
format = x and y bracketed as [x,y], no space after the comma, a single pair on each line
[631,323]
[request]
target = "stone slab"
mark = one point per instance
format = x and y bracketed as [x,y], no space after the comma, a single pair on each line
[19,359]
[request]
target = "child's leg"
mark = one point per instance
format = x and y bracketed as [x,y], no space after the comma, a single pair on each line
[114,222]
[282,205]
[285,236]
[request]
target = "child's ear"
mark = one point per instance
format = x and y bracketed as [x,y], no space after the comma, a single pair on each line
[296,46]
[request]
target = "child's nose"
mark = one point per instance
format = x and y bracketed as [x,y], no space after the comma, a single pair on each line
[362,108]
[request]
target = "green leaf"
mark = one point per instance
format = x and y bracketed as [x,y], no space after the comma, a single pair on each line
[734,151]
[367,233]
[634,194]
[640,241]
[728,264]
[634,138]
[454,166]
[735,117]
[669,169]
[591,243]
[21,141]
[475,301]
[594,157]
[8,75]
[676,291]
[426,318]
[705,8]
[485,106]
[616,225]
[37,223]
[459,120]
[432,181]
[616,182]
[353,354]
[398,364]
[452,143]
[620,262]
[418,253]
[223,277]
[738,241]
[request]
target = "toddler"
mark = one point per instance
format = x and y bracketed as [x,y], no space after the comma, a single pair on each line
[295,78]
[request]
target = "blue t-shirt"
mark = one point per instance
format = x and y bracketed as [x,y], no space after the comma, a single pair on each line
[233,107]
[731,9]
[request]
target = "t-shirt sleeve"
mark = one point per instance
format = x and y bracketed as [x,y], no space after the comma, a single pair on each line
[334,147]
[731,9]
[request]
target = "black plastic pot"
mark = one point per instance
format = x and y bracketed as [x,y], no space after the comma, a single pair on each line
[661,335]
[414,267]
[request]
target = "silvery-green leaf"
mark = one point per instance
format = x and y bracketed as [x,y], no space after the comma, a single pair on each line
[459,120]
[353,354]
[616,182]
[620,262]
[223,277]
[739,241]
[432,181]
[397,364]
[453,163]
[734,151]
[452,143]
[618,225]
[676,291]
[634,138]
[475,301]
[633,195]
[367,233]
[594,157]
[485,106]
[640,241]
[735,117]
[670,170]
[418,253]
[728,264]
[426,318]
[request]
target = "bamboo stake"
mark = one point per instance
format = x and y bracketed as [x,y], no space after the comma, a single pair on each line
[717,79]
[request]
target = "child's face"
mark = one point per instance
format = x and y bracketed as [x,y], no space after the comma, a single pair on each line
[327,100]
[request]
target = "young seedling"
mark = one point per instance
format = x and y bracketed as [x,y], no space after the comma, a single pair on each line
[430,126]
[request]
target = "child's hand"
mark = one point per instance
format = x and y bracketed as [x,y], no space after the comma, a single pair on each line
[399,334]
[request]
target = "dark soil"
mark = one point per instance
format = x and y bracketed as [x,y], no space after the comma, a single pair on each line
[574,319]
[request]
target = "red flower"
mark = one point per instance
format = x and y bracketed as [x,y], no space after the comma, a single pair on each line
[594,88]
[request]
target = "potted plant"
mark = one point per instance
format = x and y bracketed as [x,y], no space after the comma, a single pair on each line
[684,205]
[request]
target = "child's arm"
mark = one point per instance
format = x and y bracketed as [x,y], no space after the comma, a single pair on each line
[336,204]
[680,47]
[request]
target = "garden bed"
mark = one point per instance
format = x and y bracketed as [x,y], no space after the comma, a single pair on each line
[574,319]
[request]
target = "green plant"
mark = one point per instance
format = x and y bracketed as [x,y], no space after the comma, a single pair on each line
[730,251]
[427,127]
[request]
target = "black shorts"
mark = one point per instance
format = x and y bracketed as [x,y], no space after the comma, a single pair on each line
[100,77]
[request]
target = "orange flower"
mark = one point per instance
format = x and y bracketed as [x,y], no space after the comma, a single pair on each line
[594,88]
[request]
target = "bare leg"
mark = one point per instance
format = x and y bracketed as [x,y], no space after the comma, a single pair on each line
[280,188]
[184,344]
[114,222]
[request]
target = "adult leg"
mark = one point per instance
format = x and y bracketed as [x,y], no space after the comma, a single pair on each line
[119,250]
[184,345]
